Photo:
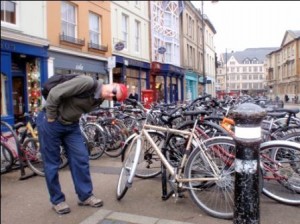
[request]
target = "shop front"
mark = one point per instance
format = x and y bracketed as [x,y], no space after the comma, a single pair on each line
[166,81]
[191,85]
[133,73]
[23,69]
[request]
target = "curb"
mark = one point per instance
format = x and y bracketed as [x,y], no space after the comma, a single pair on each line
[104,216]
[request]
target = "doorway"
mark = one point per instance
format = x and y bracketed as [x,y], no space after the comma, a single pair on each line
[18,98]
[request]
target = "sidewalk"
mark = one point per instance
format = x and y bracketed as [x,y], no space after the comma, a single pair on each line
[104,216]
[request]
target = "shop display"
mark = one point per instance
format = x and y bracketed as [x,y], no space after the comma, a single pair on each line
[34,86]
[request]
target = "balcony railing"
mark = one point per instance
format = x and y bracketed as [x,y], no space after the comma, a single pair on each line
[98,47]
[73,40]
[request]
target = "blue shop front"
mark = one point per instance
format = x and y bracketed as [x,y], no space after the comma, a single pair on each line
[167,82]
[23,69]
[191,85]
[133,73]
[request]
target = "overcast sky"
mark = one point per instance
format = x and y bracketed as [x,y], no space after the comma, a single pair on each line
[251,24]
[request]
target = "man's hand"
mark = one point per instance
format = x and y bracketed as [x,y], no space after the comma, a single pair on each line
[50,120]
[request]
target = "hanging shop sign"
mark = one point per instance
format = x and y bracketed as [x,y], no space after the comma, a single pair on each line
[162,50]
[119,46]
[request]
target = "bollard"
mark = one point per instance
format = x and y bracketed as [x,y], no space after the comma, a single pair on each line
[248,118]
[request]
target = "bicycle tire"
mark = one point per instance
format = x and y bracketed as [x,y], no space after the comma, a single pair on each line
[284,184]
[149,164]
[216,198]
[96,140]
[115,139]
[7,158]
[33,156]
[128,169]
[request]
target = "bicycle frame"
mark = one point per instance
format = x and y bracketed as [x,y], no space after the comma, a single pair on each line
[191,135]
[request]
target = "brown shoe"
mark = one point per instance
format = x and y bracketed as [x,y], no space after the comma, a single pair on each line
[92,201]
[61,208]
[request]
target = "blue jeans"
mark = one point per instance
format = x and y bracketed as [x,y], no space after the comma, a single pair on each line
[51,136]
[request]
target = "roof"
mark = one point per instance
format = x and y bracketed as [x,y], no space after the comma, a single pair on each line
[250,53]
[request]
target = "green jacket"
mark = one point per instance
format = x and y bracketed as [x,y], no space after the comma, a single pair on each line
[63,104]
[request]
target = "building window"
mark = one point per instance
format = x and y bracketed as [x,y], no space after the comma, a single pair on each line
[168,53]
[137,35]
[95,28]
[125,30]
[168,19]
[137,4]
[68,19]
[8,12]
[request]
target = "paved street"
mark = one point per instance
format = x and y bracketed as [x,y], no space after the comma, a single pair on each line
[26,201]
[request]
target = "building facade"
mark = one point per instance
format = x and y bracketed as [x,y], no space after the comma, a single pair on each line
[24,55]
[131,44]
[191,50]
[80,37]
[210,57]
[166,75]
[283,67]
[242,72]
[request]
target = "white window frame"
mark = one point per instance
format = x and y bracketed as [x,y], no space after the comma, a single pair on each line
[17,14]
[69,23]
[169,52]
[137,35]
[95,32]
[125,19]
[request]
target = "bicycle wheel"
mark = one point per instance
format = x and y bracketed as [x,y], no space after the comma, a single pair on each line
[149,164]
[115,139]
[281,159]
[215,197]
[129,167]
[95,140]
[7,159]
[33,156]
[176,143]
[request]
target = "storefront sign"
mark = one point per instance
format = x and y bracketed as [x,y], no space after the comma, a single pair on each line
[119,46]
[8,46]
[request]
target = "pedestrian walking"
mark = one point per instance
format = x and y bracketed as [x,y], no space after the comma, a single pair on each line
[58,123]
[286,98]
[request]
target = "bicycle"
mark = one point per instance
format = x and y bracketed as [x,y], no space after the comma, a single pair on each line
[25,150]
[202,173]
[279,163]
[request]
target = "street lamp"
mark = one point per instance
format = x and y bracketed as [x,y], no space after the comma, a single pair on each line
[226,76]
[203,42]
[203,58]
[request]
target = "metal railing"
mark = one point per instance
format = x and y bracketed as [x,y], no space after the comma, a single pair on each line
[72,40]
[98,47]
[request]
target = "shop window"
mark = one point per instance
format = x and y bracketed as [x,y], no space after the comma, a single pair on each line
[4,93]
[33,85]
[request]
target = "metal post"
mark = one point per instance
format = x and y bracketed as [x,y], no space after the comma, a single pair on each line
[203,42]
[248,118]
[226,78]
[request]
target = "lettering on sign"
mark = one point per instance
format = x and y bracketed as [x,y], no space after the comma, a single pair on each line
[8,46]
[79,67]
